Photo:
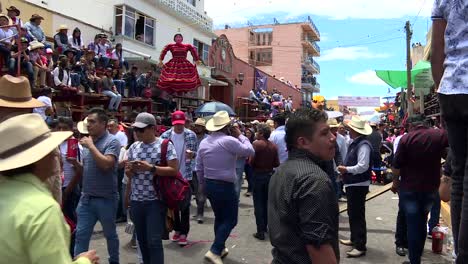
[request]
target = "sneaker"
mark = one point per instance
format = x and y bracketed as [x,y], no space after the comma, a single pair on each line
[224,253]
[175,237]
[355,253]
[213,258]
[183,240]
[400,251]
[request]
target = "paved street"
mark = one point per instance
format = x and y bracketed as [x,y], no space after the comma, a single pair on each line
[243,248]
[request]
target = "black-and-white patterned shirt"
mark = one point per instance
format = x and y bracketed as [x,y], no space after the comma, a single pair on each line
[302,209]
[142,183]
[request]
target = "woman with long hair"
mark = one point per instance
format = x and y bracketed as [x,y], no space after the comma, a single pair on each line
[117,54]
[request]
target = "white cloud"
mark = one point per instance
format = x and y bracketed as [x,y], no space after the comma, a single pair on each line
[367,77]
[350,53]
[233,11]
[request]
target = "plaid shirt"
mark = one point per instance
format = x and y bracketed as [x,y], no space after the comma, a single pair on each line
[191,144]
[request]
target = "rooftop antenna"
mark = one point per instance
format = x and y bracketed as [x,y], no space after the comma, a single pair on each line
[276,21]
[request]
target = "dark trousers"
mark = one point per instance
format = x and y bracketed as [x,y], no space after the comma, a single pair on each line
[260,181]
[199,195]
[121,212]
[225,204]
[416,206]
[435,213]
[146,216]
[182,218]
[400,233]
[455,113]
[69,210]
[248,176]
[356,199]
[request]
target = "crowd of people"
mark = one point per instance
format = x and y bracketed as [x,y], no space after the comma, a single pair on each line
[273,103]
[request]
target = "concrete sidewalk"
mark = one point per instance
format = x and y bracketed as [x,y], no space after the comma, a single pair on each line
[381,217]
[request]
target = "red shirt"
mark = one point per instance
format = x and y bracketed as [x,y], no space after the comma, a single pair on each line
[419,157]
[266,156]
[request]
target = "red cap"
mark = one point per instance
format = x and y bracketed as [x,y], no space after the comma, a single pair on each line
[178,118]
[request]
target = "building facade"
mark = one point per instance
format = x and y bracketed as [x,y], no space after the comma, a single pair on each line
[285,51]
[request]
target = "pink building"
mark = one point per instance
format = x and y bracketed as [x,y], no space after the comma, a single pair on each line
[285,51]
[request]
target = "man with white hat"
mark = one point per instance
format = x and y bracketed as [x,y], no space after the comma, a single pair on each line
[356,174]
[216,172]
[61,43]
[27,150]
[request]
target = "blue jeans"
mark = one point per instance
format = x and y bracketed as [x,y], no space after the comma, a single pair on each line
[114,99]
[260,181]
[225,205]
[238,184]
[89,211]
[148,217]
[416,206]
[120,85]
[75,79]
[132,88]
[435,213]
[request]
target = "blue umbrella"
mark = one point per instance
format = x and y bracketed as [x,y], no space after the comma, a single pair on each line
[211,108]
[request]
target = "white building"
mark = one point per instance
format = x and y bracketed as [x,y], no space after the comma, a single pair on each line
[143,27]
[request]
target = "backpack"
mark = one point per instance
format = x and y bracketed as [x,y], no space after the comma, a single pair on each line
[173,191]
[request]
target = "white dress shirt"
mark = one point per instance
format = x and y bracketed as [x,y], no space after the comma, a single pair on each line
[361,166]
[277,137]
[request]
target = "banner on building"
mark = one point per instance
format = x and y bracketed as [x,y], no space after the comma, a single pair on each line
[260,80]
[359,101]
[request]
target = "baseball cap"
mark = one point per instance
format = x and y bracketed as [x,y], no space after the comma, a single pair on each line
[178,118]
[49,51]
[143,120]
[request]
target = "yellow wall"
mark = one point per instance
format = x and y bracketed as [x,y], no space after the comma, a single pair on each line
[27,10]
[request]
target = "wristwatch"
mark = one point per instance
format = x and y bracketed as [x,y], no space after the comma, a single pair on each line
[153,169]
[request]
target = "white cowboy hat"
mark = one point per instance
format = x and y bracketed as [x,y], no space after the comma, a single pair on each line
[26,140]
[218,121]
[35,45]
[359,125]
[62,27]
[82,126]
[333,123]
[15,92]
[200,122]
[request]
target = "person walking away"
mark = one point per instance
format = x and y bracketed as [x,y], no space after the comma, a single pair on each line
[185,144]
[420,178]
[216,173]
[34,217]
[278,135]
[113,128]
[147,210]
[200,131]
[449,59]
[263,163]
[375,138]
[302,205]
[356,174]
[99,197]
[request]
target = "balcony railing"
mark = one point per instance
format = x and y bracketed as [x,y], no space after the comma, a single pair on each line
[314,27]
[311,64]
[187,12]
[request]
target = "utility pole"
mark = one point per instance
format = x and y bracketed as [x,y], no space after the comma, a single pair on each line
[409,88]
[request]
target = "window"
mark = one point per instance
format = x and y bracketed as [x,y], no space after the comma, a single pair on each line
[135,25]
[202,50]
[264,57]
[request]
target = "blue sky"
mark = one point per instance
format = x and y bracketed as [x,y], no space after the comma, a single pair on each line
[358,36]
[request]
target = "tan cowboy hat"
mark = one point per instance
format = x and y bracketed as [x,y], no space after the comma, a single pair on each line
[333,123]
[218,121]
[35,45]
[12,8]
[359,125]
[15,92]
[62,27]
[26,140]
[82,126]
[200,122]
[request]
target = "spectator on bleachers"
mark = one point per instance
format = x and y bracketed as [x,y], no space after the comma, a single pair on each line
[24,34]
[80,69]
[118,81]
[110,90]
[90,70]
[13,14]
[25,63]
[6,34]
[101,51]
[143,82]
[253,96]
[130,79]
[76,42]
[49,61]
[62,78]
[40,69]
[92,45]
[117,55]
[61,43]
[34,28]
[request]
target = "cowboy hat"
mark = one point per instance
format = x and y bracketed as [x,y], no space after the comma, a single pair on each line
[200,122]
[12,8]
[15,92]
[35,45]
[36,16]
[359,125]
[62,27]
[333,123]
[82,126]
[218,121]
[26,140]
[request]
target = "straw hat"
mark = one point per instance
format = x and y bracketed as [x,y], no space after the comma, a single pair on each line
[36,16]
[62,27]
[35,45]
[15,92]
[359,125]
[26,140]
[200,122]
[82,126]
[333,123]
[218,121]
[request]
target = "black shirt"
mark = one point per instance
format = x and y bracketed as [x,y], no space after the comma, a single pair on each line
[302,209]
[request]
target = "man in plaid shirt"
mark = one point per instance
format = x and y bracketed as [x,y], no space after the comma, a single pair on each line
[185,143]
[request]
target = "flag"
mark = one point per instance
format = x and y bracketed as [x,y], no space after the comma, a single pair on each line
[260,80]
